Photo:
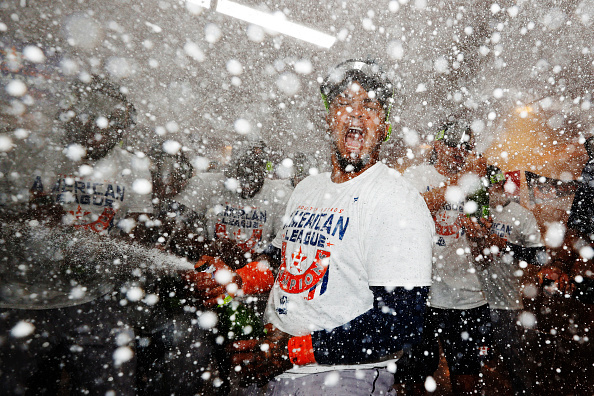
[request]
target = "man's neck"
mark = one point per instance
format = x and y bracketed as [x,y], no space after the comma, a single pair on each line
[340,175]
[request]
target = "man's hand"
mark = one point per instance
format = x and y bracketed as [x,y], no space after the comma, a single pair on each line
[259,360]
[228,251]
[553,279]
[213,286]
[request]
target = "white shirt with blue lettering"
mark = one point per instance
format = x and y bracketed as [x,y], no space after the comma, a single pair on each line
[95,196]
[501,278]
[99,196]
[251,223]
[456,284]
[340,239]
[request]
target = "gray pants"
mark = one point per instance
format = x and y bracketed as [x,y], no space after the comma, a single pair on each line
[334,383]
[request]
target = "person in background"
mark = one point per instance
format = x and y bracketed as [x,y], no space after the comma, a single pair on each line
[242,212]
[513,243]
[458,314]
[174,352]
[579,236]
[581,216]
[72,306]
[353,259]
[177,226]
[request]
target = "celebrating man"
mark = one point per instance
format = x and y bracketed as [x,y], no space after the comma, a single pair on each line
[354,258]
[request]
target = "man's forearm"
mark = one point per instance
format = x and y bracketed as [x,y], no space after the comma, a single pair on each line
[395,321]
[531,255]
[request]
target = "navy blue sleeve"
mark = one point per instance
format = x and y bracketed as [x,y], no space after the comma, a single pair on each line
[531,255]
[395,321]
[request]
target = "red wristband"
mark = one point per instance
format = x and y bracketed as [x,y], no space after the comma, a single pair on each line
[256,278]
[301,350]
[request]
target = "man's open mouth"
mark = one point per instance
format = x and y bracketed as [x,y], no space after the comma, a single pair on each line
[354,139]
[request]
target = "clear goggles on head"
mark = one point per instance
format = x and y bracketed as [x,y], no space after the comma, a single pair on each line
[496,178]
[455,137]
[366,73]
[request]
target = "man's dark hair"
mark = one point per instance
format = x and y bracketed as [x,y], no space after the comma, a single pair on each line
[457,133]
[101,85]
[367,73]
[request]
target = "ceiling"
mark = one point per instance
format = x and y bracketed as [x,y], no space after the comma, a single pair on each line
[208,80]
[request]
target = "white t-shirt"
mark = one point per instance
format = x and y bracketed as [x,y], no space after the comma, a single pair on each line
[340,239]
[455,282]
[501,278]
[114,186]
[96,196]
[251,222]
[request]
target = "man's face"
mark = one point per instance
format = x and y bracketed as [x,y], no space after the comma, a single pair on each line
[97,123]
[451,158]
[250,175]
[357,126]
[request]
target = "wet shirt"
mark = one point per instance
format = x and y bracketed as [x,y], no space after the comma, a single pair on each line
[455,281]
[94,197]
[340,239]
[501,278]
[251,223]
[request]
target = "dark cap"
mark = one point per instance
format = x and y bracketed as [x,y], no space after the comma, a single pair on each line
[109,100]
[456,134]
[366,72]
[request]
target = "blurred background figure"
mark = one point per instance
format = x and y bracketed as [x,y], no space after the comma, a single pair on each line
[458,314]
[581,217]
[177,225]
[71,304]
[174,352]
[513,244]
[242,207]
[581,230]
[243,210]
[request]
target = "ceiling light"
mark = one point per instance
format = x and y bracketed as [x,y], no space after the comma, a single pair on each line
[276,23]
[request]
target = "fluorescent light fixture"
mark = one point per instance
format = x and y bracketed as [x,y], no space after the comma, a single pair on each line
[201,3]
[272,22]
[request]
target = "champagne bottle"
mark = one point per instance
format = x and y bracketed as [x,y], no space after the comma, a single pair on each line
[236,320]
[477,203]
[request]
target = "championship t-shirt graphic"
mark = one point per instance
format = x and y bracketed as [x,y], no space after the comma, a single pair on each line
[92,205]
[303,273]
[309,237]
[242,225]
[447,223]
